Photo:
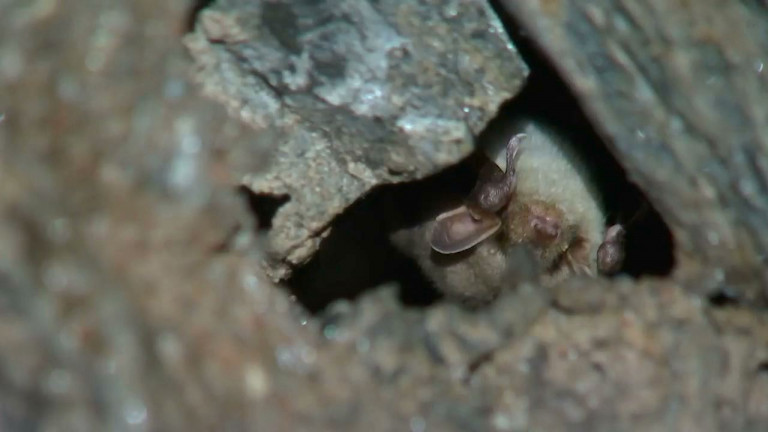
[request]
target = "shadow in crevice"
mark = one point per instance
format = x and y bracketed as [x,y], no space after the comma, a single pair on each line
[724,297]
[196,6]
[263,206]
[357,255]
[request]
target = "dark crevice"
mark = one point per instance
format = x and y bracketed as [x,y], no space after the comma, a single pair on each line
[263,206]
[723,297]
[196,6]
[357,255]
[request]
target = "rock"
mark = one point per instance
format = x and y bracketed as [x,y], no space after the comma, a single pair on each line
[131,298]
[351,95]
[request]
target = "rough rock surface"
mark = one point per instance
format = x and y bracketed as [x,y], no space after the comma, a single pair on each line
[353,94]
[130,295]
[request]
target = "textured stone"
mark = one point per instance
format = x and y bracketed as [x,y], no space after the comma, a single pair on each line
[352,94]
[130,295]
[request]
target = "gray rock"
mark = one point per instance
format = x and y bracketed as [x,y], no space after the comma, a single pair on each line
[352,94]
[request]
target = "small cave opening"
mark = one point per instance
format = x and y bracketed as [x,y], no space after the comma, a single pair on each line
[358,256]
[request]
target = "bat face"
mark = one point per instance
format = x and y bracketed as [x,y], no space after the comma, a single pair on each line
[532,211]
[543,226]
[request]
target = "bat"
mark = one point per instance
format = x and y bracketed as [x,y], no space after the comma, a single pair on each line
[534,214]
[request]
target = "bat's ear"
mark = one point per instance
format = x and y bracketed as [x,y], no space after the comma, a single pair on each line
[457,230]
